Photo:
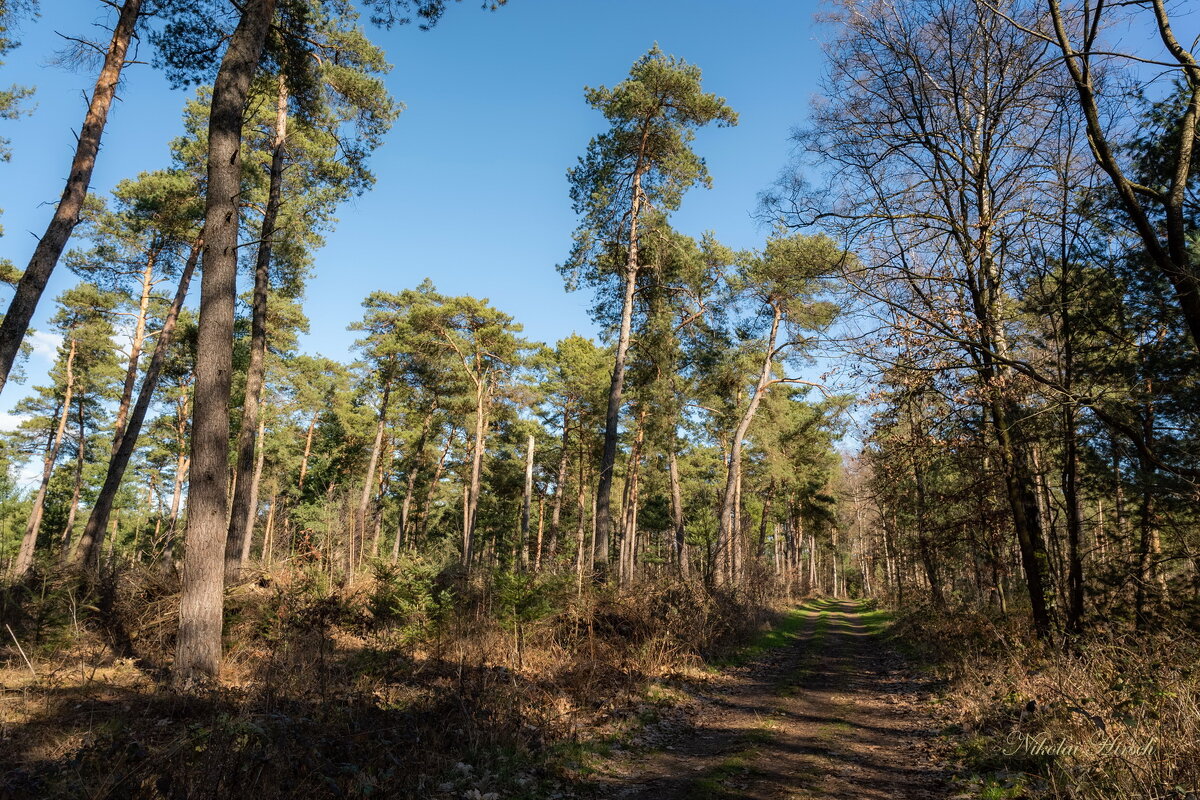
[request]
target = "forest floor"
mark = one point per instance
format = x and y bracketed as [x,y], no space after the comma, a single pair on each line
[824,707]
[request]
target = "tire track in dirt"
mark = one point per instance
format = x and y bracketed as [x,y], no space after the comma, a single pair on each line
[833,714]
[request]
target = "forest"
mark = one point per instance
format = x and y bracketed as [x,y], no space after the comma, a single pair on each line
[901,502]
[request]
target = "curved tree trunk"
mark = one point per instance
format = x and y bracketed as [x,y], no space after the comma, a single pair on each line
[50,247]
[93,534]
[135,352]
[80,458]
[29,542]
[727,509]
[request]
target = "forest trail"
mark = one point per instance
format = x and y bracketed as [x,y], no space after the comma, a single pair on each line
[829,714]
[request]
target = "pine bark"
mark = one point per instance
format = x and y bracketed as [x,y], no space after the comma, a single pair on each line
[29,541]
[66,216]
[198,652]
[77,489]
[93,533]
[727,508]
[242,505]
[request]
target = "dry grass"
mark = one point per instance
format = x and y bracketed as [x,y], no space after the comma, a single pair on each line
[393,685]
[1109,715]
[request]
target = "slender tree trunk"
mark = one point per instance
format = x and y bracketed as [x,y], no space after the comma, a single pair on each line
[426,507]
[476,478]
[29,542]
[66,216]
[725,530]
[364,500]
[560,480]
[580,523]
[92,541]
[268,544]
[537,552]
[629,502]
[612,416]
[135,351]
[80,457]
[415,465]
[308,440]
[182,460]
[680,541]
[198,652]
[252,506]
[761,550]
[528,499]
[242,505]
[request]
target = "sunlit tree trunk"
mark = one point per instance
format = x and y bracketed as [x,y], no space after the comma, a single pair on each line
[727,507]
[80,458]
[29,541]
[66,216]
[92,540]
[201,603]
[242,505]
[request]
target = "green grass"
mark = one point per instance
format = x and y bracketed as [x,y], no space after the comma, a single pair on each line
[785,630]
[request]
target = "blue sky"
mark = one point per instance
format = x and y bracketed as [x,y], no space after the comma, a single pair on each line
[471,188]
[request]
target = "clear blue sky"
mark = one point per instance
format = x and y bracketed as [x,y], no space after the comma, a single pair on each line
[471,188]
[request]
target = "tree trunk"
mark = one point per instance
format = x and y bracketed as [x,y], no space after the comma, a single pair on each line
[93,533]
[198,653]
[80,456]
[476,478]
[135,352]
[725,530]
[66,216]
[1022,499]
[528,498]
[612,416]
[364,500]
[29,542]
[680,542]
[415,464]
[252,506]
[243,504]
[560,480]
[423,522]
[308,440]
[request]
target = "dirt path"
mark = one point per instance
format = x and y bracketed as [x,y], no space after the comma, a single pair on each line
[830,714]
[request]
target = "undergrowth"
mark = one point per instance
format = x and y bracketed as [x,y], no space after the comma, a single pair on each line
[1102,715]
[413,681]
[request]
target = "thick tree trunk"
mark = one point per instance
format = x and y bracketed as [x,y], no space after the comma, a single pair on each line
[93,533]
[50,247]
[242,505]
[1022,499]
[29,541]
[198,653]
